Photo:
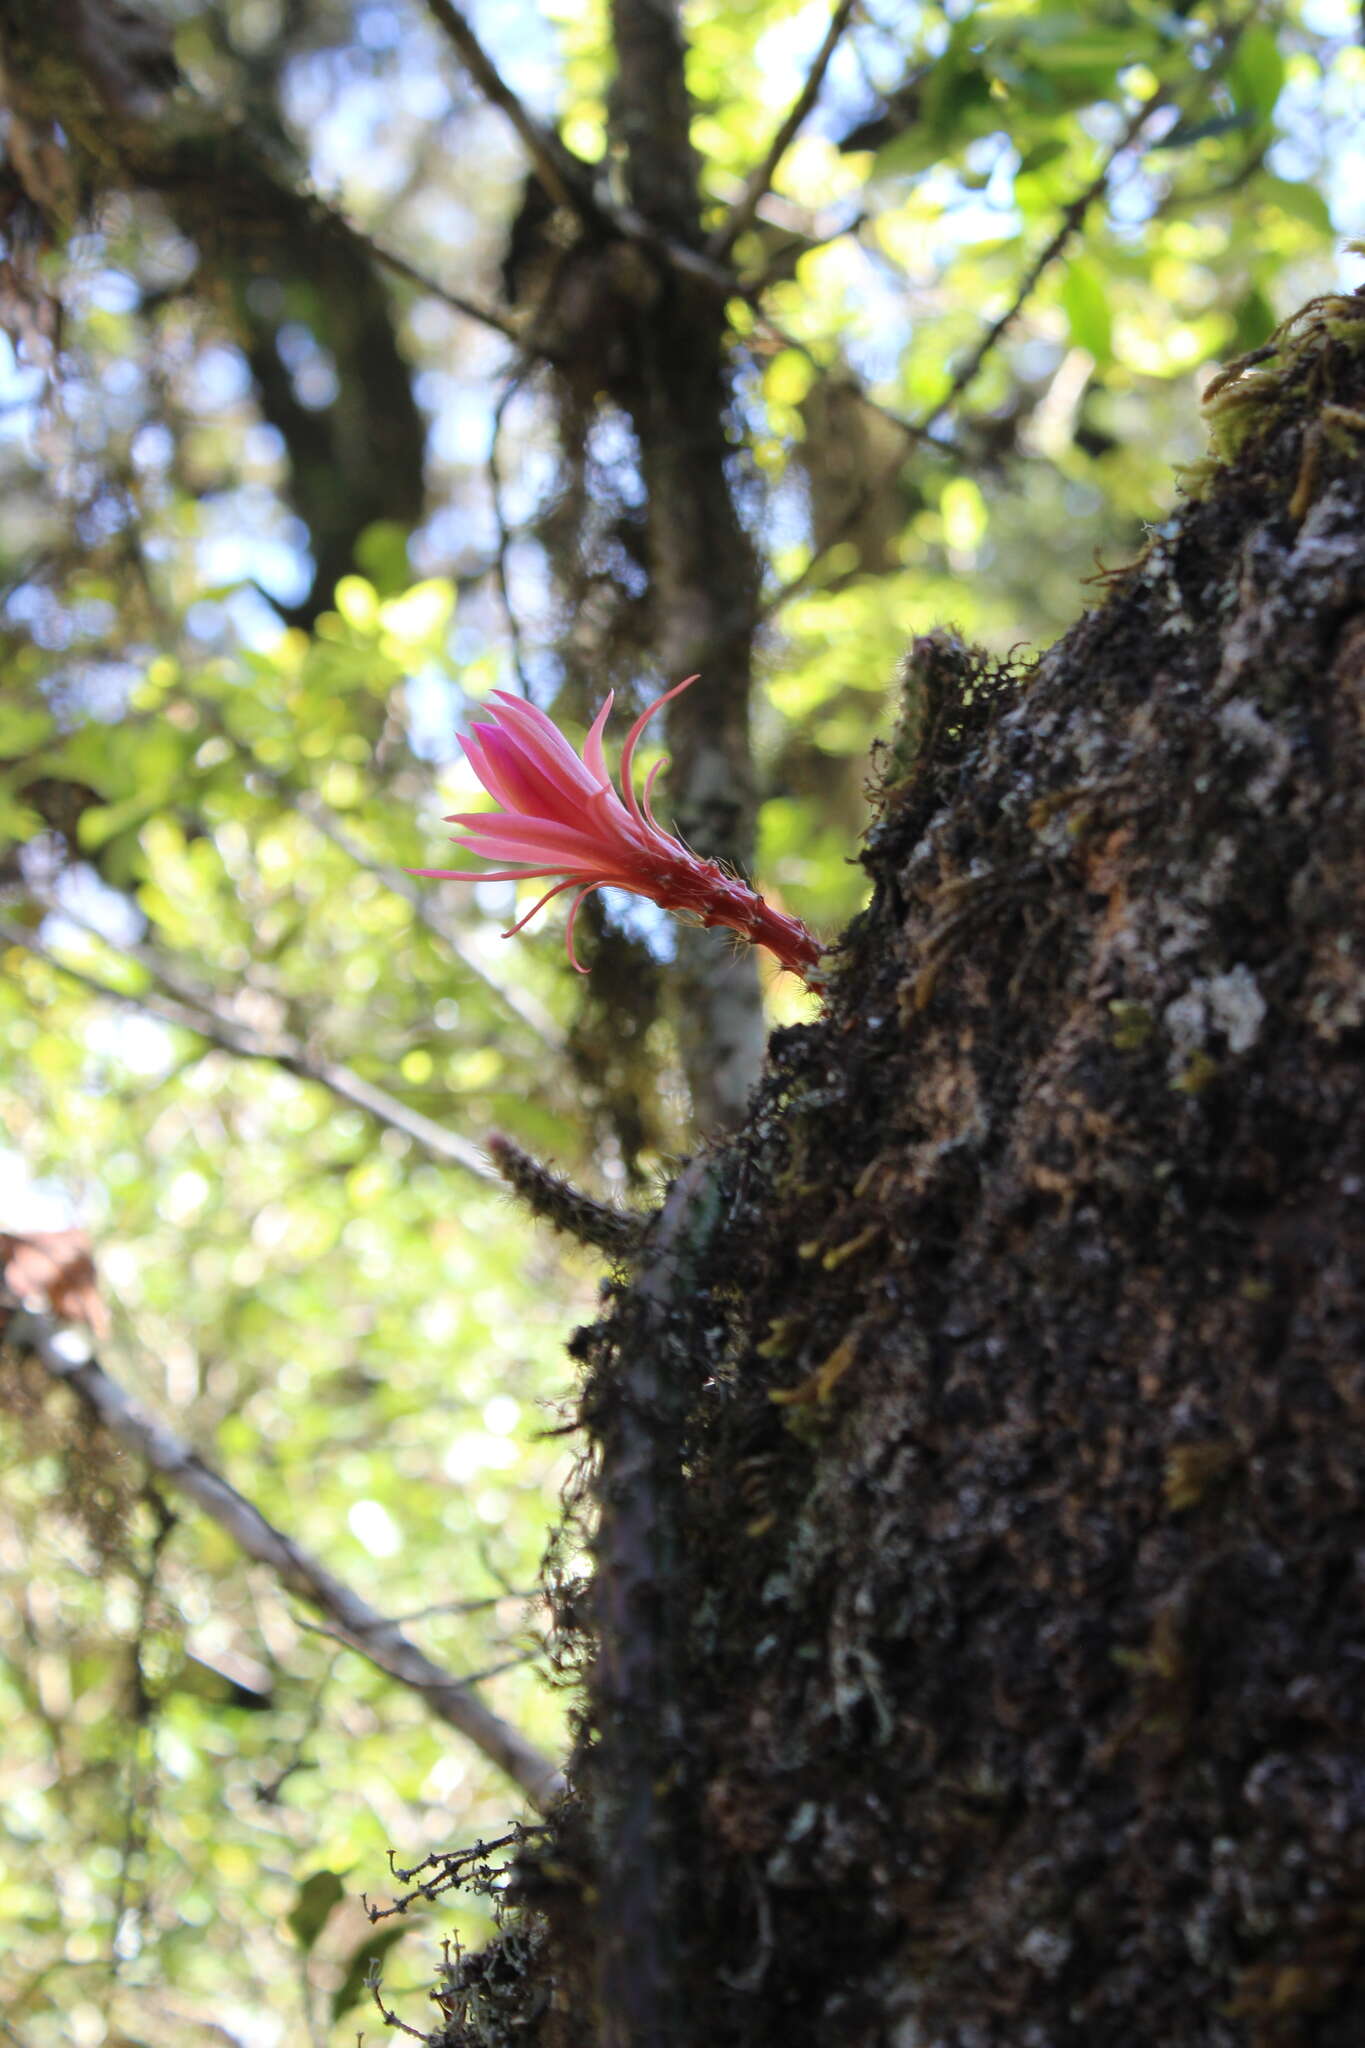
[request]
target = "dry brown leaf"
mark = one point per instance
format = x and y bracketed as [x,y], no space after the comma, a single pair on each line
[54,1270]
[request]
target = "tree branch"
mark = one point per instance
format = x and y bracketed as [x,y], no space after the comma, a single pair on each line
[192,1012]
[760,178]
[1071,219]
[351,1619]
[473,309]
[559,171]
[532,1014]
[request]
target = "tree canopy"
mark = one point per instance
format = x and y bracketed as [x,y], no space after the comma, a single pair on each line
[364,358]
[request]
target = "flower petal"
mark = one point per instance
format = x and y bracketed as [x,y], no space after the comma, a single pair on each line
[562,816]
[628,750]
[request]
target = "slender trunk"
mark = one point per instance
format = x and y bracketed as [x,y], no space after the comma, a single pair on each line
[702,561]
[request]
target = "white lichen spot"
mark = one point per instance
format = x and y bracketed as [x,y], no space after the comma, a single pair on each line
[1047,1949]
[802,1821]
[1180,931]
[1220,870]
[1237,1007]
[1247,729]
[1230,1004]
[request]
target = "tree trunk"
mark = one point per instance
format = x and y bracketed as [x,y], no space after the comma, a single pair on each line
[702,568]
[1008,1578]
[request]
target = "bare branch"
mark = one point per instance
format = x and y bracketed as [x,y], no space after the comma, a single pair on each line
[473,309]
[352,1620]
[559,172]
[760,178]
[192,1012]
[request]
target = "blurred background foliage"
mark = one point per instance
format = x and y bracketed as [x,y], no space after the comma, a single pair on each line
[269,532]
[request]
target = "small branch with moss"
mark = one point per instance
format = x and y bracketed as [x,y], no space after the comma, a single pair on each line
[556,1198]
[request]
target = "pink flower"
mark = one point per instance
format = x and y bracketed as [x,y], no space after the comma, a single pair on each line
[561,816]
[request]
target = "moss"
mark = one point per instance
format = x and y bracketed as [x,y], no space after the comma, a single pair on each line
[1015,1609]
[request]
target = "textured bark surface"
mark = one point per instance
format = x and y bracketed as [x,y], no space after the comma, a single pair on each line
[1018,1620]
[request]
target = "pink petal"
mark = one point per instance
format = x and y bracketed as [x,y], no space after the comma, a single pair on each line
[481,874]
[550,894]
[628,750]
[568,929]
[524,838]
[541,740]
[528,781]
[504,789]
[594,758]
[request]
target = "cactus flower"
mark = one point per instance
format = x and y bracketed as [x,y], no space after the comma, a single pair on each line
[562,816]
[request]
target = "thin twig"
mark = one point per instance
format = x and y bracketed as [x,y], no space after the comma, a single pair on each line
[475,1606]
[191,1012]
[140,1799]
[353,1620]
[505,398]
[390,2019]
[532,1014]
[566,180]
[473,309]
[1072,217]
[480,1677]
[753,289]
[921,429]
[559,172]
[760,179]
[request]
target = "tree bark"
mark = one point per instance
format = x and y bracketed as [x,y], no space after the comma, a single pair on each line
[1015,1602]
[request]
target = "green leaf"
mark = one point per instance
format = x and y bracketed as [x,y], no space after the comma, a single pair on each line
[103,822]
[1085,301]
[22,728]
[17,820]
[382,553]
[1256,73]
[1300,202]
[352,1987]
[358,603]
[309,1914]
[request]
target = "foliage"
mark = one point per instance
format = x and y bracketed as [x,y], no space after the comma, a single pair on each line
[208,794]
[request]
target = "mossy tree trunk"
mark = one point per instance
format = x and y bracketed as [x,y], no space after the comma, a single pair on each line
[1012,1594]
